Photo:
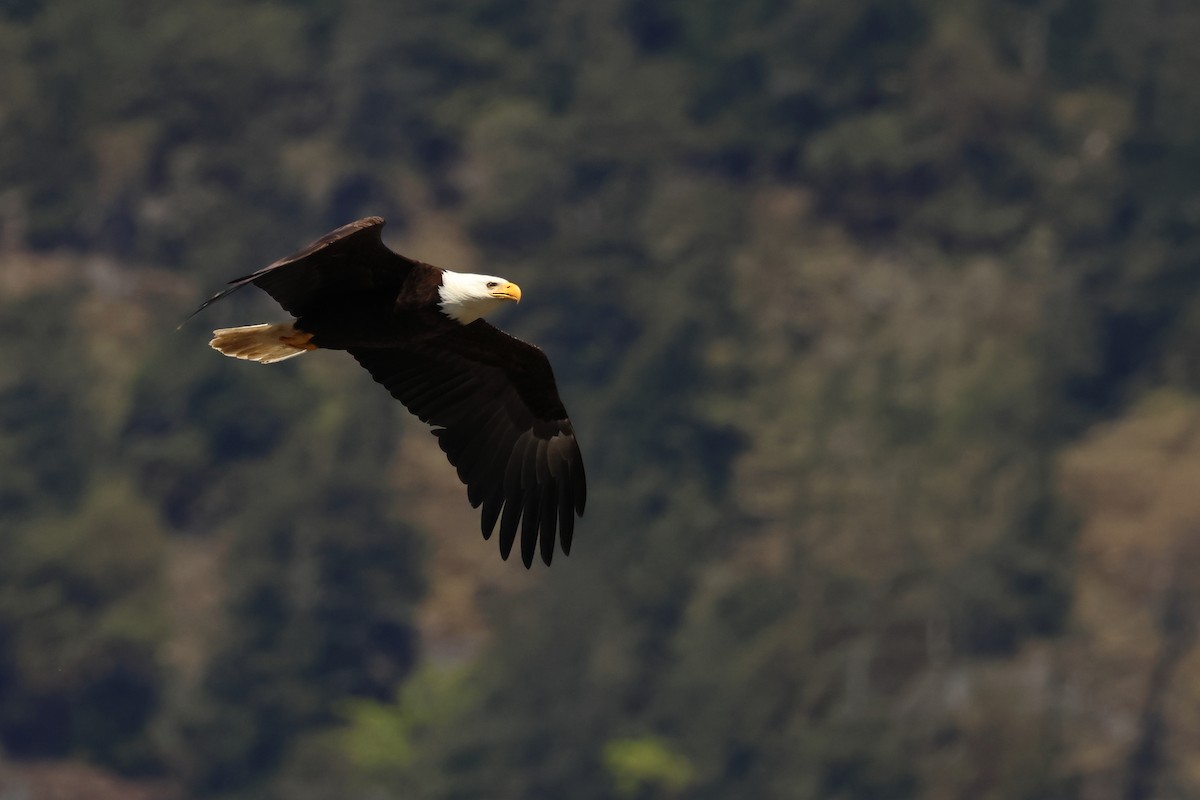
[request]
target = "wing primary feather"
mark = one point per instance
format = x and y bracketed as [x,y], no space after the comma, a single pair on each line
[566,524]
[461,444]
[566,511]
[218,296]
[493,464]
[508,526]
[529,524]
[531,500]
[554,457]
[559,507]
[513,497]
[549,516]
[580,482]
[478,447]
[541,461]
[475,490]
[492,471]
[492,504]
[472,465]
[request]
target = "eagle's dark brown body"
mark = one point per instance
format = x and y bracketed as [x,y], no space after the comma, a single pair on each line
[491,397]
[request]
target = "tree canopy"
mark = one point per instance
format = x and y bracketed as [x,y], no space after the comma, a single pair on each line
[878,320]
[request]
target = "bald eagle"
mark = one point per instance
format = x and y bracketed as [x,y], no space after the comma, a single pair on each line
[419,331]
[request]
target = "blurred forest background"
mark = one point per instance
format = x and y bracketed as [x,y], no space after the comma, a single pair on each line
[879,319]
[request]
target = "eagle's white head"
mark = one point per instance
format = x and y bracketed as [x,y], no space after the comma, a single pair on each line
[467,297]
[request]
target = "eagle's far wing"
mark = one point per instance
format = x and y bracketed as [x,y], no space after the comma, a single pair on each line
[499,419]
[351,259]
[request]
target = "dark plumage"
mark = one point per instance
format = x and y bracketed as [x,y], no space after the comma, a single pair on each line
[418,330]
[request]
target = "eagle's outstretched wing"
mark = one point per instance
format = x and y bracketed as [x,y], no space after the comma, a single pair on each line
[351,260]
[498,417]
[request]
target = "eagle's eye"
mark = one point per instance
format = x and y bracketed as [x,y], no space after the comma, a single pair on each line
[492,284]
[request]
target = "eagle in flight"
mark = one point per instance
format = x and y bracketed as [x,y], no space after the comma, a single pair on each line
[419,330]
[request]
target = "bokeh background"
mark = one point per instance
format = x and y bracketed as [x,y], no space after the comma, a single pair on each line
[879,321]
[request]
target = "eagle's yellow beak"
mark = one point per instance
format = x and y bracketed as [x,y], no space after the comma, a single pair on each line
[507,291]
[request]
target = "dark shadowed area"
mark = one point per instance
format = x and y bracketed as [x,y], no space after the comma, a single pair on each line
[878,320]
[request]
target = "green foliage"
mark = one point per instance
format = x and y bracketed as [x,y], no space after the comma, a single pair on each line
[322,596]
[81,623]
[516,175]
[44,458]
[384,738]
[81,596]
[190,417]
[828,287]
[646,762]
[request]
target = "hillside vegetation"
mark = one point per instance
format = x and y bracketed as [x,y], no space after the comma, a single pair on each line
[878,319]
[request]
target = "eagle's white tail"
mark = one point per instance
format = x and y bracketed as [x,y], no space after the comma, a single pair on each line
[265,343]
